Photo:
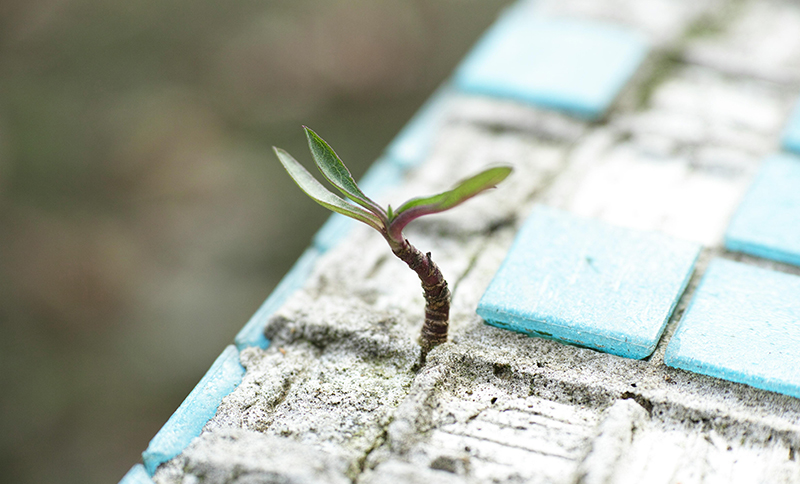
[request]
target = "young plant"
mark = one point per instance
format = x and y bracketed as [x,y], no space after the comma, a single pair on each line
[390,223]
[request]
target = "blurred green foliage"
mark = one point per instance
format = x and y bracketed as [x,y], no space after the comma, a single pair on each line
[143,218]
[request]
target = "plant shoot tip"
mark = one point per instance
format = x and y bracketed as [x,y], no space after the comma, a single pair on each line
[390,222]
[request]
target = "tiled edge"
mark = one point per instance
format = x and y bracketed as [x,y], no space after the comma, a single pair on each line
[791,134]
[188,420]
[741,326]
[252,334]
[137,475]
[409,149]
[767,222]
[570,65]
[221,379]
[381,175]
[573,279]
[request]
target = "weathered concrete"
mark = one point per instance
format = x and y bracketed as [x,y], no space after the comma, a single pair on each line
[338,396]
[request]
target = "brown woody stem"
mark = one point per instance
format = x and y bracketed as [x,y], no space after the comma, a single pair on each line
[437,295]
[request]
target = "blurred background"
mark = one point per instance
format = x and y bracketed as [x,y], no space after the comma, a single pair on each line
[143,217]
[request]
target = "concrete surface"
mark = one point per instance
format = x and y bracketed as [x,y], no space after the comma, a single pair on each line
[338,396]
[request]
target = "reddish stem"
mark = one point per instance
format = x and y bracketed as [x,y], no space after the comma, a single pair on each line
[437,295]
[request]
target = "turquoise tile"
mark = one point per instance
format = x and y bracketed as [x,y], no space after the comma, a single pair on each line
[578,66]
[414,142]
[791,134]
[767,222]
[188,420]
[137,475]
[587,283]
[382,175]
[742,325]
[252,334]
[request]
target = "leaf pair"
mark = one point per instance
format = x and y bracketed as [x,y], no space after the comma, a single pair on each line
[339,176]
[372,214]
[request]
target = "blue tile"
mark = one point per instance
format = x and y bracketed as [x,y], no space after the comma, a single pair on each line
[566,64]
[382,175]
[767,223]
[588,283]
[188,420]
[791,134]
[252,334]
[137,475]
[742,325]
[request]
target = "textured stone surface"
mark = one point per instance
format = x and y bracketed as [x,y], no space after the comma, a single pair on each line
[340,384]
[337,370]
[750,39]
[244,456]
[613,441]
[681,165]
[589,283]
[742,325]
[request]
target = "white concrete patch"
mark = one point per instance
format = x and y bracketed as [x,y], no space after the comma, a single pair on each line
[665,21]
[668,196]
[762,40]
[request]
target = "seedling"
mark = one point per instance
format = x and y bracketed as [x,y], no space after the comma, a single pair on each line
[390,222]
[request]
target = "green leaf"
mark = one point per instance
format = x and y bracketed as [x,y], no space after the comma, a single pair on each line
[322,195]
[417,207]
[462,192]
[334,170]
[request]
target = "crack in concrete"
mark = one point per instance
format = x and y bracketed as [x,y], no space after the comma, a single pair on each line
[378,443]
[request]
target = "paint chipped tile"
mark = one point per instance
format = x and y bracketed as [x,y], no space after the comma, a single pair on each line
[584,282]
[767,223]
[742,326]
[577,66]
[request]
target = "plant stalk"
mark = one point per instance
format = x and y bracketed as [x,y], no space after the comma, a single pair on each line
[437,295]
